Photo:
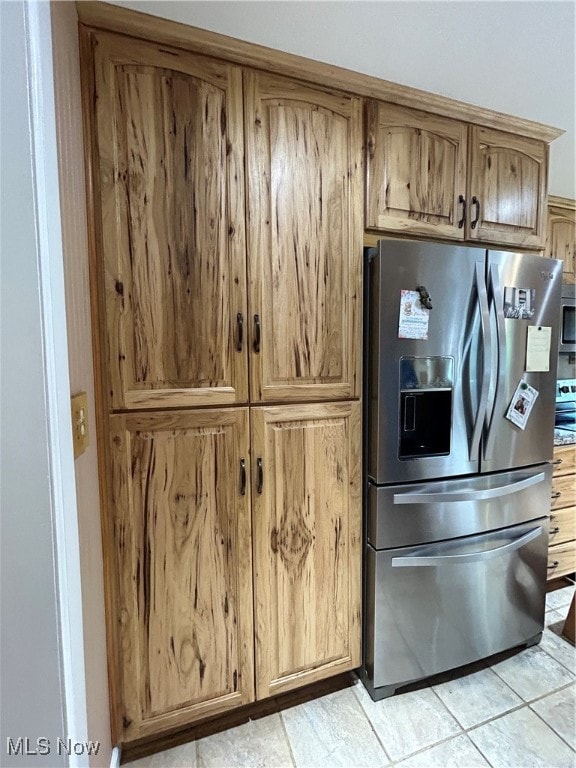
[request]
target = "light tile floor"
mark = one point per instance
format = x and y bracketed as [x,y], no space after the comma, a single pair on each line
[515,713]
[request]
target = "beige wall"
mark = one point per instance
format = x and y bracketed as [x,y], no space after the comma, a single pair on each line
[75,254]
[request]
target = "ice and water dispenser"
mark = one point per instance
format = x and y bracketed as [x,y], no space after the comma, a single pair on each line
[426,386]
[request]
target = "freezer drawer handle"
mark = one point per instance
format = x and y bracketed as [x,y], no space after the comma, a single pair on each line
[470,557]
[472,495]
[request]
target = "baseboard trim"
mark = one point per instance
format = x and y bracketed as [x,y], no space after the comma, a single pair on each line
[115,757]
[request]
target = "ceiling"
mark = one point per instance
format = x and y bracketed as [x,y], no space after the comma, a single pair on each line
[516,57]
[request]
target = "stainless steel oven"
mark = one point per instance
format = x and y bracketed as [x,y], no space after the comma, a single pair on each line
[568,320]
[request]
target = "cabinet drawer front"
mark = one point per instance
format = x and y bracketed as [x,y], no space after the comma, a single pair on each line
[563,492]
[561,559]
[564,461]
[565,521]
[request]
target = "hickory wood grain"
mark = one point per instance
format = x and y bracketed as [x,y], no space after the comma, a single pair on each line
[170,166]
[183,567]
[561,235]
[304,231]
[416,171]
[307,543]
[509,177]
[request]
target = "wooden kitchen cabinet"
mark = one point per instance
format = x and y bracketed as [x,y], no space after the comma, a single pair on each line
[416,171]
[562,540]
[168,163]
[181,562]
[304,231]
[508,179]
[561,234]
[439,177]
[307,543]
[178,333]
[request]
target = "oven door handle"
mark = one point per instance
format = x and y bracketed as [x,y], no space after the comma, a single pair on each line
[410,561]
[468,495]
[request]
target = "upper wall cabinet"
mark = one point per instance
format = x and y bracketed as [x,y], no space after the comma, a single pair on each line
[169,152]
[304,231]
[435,176]
[561,234]
[507,188]
[416,171]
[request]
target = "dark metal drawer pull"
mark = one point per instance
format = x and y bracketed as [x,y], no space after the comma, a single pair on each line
[557,462]
[557,495]
[260,476]
[554,530]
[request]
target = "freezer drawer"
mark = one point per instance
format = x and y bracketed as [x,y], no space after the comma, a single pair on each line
[436,607]
[402,515]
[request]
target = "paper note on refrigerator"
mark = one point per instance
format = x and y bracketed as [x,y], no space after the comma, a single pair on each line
[538,348]
[413,320]
[521,405]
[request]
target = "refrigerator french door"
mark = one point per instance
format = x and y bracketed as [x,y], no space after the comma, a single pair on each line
[458,484]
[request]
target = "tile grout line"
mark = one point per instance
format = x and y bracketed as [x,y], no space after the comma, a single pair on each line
[371,725]
[287,737]
[548,724]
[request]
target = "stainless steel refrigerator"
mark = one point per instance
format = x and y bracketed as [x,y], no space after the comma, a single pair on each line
[461,350]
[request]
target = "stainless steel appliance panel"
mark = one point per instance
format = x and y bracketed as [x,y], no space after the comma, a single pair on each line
[506,445]
[439,606]
[449,275]
[404,515]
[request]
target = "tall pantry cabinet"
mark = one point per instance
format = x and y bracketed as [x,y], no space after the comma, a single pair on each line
[226,281]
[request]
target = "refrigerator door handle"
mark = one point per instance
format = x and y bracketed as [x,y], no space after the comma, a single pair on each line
[497,303]
[468,495]
[409,561]
[486,347]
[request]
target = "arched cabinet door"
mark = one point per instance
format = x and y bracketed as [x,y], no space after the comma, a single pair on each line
[507,188]
[304,231]
[416,172]
[170,245]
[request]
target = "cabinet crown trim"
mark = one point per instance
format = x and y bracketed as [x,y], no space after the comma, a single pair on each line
[113,18]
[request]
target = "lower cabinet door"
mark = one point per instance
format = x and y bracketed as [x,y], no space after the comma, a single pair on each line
[307,543]
[179,561]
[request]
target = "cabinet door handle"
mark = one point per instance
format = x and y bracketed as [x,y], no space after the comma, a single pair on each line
[554,530]
[475,202]
[242,477]
[239,331]
[260,476]
[256,333]
[462,221]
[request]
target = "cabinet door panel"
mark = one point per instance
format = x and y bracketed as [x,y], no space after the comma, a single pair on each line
[304,239]
[307,543]
[508,177]
[561,239]
[170,160]
[180,531]
[416,171]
